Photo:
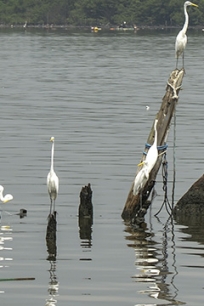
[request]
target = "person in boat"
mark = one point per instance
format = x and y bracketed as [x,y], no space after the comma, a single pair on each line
[123,25]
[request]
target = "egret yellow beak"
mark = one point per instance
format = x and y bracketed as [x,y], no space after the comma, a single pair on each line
[140,164]
[8,198]
[5,201]
[194,4]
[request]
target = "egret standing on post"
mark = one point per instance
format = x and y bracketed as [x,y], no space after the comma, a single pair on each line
[181,39]
[52,180]
[151,158]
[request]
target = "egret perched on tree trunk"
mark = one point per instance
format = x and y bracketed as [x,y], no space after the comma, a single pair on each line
[151,158]
[52,180]
[141,178]
[152,154]
[181,39]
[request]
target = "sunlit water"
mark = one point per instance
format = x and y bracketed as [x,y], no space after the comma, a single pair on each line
[90,91]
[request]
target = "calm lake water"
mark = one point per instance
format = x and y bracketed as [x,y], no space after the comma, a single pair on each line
[90,91]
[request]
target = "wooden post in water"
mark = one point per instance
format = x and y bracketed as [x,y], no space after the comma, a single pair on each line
[133,203]
[86,213]
[51,236]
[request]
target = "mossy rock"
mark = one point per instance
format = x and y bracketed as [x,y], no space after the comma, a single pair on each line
[192,202]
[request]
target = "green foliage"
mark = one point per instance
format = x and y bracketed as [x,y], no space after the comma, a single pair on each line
[98,12]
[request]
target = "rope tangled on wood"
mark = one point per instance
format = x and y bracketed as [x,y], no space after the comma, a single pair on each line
[165,184]
[165,176]
[159,148]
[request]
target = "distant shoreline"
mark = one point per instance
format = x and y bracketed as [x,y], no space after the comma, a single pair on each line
[85,27]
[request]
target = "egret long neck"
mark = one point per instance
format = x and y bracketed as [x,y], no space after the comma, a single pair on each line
[155,135]
[52,158]
[185,26]
[1,195]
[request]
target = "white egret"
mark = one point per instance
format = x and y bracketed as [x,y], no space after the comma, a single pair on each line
[141,179]
[52,180]
[152,154]
[6,198]
[181,39]
[151,158]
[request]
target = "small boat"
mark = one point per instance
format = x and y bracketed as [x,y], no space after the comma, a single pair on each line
[124,27]
[95,29]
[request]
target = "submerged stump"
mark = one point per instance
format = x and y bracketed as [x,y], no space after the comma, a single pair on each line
[133,203]
[51,236]
[85,213]
[86,207]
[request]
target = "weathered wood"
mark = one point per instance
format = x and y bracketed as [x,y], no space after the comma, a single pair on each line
[164,116]
[51,227]
[86,207]
[85,213]
[51,236]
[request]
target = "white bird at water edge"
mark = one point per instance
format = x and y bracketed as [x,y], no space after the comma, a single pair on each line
[181,39]
[52,180]
[6,198]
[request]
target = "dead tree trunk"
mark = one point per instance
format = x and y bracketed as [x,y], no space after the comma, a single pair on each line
[133,203]
[51,237]
[85,213]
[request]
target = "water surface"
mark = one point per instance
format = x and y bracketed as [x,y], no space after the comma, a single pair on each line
[90,91]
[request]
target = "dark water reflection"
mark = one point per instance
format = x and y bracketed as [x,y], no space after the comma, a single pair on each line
[152,263]
[53,285]
[194,229]
[90,91]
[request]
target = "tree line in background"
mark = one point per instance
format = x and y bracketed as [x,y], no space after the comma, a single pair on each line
[98,12]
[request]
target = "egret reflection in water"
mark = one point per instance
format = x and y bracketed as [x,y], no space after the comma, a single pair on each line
[152,262]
